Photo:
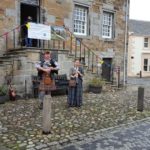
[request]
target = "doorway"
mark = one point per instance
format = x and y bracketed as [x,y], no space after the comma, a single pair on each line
[25,11]
[106,69]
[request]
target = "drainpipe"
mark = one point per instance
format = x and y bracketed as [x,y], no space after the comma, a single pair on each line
[125,44]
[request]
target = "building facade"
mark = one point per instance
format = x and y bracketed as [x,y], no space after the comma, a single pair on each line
[100,24]
[139,48]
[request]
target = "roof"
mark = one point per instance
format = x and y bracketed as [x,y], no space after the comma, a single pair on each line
[140,28]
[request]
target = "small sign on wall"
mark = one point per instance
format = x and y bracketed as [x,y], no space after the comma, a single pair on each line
[39,31]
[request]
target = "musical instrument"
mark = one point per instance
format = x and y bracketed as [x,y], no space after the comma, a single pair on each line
[46,79]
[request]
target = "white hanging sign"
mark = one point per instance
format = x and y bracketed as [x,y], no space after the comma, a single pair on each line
[39,31]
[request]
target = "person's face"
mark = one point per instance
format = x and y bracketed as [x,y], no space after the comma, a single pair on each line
[77,63]
[47,56]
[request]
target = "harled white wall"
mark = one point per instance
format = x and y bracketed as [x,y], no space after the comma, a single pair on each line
[138,52]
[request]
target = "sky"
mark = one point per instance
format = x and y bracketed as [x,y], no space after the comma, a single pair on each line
[140,9]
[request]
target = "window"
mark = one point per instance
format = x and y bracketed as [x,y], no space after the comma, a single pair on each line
[80,20]
[33,2]
[145,42]
[107,25]
[146,65]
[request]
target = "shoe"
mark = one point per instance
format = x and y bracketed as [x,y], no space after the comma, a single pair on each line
[41,106]
[46,133]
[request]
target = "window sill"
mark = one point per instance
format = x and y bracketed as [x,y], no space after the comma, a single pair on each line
[146,48]
[83,36]
[146,71]
[146,51]
[108,40]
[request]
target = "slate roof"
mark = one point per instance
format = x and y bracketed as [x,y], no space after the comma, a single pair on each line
[140,28]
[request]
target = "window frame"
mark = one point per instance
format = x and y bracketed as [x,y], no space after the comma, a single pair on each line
[111,25]
[146,42]
[86,9]
[147,66]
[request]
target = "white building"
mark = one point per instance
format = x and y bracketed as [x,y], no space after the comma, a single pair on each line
[139,48]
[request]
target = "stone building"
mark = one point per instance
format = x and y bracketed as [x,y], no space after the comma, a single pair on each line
[100,24]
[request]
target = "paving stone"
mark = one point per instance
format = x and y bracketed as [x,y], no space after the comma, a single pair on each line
[41,146]
[21,120]
[31,146]
[115,139]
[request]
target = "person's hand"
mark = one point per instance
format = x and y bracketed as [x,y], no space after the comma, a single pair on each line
[76,75]
[51,68]
[47,70]
[78,72]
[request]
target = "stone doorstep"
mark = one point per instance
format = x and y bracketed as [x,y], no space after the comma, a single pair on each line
[91,135]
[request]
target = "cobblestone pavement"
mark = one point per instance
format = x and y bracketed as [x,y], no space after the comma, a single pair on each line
[20,121]
[134,136]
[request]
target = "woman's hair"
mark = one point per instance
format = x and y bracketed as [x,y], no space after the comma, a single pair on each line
[76,60]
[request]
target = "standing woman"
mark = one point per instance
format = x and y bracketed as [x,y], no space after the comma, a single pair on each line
[75,93]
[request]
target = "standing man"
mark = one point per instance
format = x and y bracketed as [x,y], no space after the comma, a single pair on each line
[28,41]
[46,72]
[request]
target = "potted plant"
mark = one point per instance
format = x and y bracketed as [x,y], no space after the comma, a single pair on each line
[96,84]
[3,94]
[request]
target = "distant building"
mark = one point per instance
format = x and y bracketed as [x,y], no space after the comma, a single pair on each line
[139,48]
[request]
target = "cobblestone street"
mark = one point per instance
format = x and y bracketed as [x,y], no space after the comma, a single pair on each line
[20,121]
[134,136]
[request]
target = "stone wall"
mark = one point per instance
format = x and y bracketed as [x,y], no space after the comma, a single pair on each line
[60,12]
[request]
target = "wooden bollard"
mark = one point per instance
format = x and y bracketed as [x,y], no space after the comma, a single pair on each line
[140,74]
[47,114]
[140,103]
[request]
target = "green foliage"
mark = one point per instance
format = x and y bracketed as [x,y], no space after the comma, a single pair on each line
[97,82]
[3,90]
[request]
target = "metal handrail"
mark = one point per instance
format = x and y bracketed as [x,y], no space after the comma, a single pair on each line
[59,44]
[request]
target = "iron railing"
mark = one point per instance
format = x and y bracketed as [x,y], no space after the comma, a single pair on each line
[14,39]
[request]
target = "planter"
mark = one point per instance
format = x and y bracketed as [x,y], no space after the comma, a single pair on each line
[95,89]
[3,99]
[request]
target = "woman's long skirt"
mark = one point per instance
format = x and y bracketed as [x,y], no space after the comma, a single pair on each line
[75,95]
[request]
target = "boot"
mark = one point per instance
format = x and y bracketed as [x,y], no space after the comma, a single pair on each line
[41,105]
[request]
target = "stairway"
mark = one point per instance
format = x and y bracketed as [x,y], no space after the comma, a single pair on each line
[19,61]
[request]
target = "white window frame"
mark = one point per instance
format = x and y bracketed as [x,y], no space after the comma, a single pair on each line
[147,66]
[107,24]
[80,20]
[146,41]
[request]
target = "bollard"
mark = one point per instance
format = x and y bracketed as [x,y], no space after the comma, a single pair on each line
[140,103]
[47,114]
[140,74]
[25,89]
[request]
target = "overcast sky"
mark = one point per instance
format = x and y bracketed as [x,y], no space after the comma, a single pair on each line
[140,9]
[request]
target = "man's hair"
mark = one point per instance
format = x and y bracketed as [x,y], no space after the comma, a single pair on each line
[46,52]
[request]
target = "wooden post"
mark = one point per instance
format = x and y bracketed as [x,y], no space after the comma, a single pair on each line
[25,89]
[140,74]
[140,104]
[118,77]
[47,114]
